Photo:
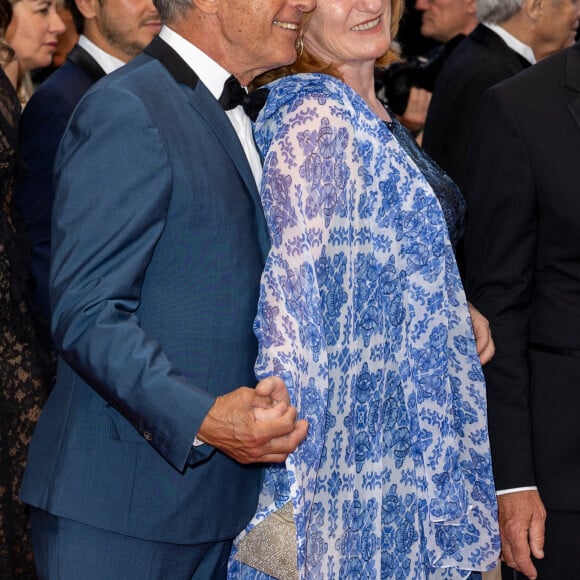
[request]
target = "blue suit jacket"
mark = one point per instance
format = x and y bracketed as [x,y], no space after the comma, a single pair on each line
[43,123]
[159,242]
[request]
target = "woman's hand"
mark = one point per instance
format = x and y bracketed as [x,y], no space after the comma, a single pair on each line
[482,333]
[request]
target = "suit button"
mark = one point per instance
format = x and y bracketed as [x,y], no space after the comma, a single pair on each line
[147,435]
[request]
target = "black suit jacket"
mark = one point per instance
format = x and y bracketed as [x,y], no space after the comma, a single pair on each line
[523,273]
[43,124]
[480,61]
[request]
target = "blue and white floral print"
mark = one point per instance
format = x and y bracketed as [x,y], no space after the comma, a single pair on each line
[362,313]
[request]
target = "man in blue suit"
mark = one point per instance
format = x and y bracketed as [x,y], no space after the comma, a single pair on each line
[145,460]
[111,33]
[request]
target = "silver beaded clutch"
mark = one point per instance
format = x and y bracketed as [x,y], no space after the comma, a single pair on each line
[271,546]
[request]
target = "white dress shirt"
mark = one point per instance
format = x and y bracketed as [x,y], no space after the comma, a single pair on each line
[106,61]
[515,44]
[213,76]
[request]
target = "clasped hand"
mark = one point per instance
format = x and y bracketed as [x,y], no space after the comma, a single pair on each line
[254,425]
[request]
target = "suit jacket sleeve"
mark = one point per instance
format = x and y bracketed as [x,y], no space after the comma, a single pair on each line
[500,247]
[43,123]
[114,184]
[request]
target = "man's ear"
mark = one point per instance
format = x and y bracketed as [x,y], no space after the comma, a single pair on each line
[534,8]
[471,6]
[88,8]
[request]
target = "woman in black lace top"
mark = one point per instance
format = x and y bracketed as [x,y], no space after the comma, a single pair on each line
[25,367]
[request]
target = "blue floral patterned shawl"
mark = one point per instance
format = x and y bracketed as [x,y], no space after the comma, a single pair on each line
[363,314]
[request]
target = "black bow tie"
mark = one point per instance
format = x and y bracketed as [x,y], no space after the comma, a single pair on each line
[234,95]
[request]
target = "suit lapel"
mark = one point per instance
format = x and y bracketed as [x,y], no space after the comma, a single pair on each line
[207,107]
[171,60]
[79,56]
[489,38]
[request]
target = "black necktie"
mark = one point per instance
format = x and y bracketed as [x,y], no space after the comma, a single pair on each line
[234,95]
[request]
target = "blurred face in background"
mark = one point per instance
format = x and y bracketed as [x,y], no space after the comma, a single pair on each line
[444,19]
[125,27]
[556,27]
[67,39]
[33,33]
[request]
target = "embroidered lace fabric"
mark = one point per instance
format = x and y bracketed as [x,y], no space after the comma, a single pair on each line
[448,194]
[24,367]
[363,314]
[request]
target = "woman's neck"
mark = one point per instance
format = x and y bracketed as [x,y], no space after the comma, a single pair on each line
[361,78]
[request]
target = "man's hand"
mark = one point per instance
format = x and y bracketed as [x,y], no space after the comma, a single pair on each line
[254,425]
[416,111]
[481,331]
[521,525]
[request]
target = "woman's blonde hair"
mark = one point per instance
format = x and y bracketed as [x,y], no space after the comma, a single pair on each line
[308,63]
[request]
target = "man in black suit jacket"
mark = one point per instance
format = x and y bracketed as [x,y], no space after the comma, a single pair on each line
[112,33]
[523,273]
[443,20]
[511,36]
[408,86]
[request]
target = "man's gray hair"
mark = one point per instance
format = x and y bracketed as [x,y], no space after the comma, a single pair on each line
[172,10]
[497,11]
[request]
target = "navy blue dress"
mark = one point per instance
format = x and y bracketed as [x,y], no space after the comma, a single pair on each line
[450,197]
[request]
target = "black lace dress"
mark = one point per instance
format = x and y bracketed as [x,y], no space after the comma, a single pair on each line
[25,369]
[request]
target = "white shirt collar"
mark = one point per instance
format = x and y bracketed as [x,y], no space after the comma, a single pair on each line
[106,61]
[213,76]
[210,73]
[515,44]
